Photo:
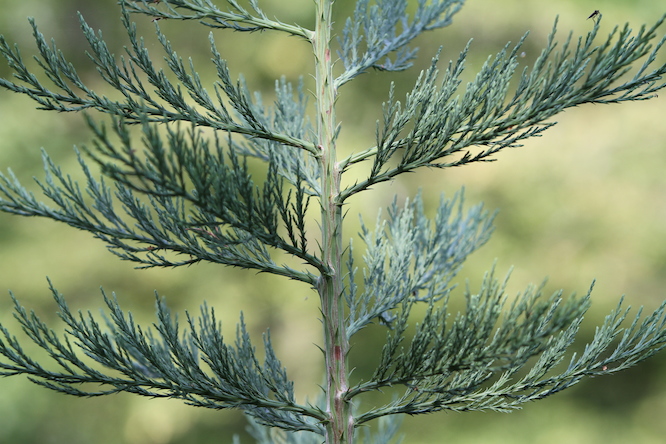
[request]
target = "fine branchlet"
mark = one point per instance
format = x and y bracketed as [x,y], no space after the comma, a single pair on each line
[235,17]
[408,260]
[377,36]
[180,172]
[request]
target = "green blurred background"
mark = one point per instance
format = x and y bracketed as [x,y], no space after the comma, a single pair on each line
[587,200]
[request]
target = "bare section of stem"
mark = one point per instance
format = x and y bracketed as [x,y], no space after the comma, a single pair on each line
[339,428]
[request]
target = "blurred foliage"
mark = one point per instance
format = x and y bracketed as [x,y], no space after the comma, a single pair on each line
[586,201]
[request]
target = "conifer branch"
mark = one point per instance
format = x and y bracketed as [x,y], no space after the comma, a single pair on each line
[472,362]
[411,258]
[185,193]
[127,77]
[236,17]
[224,219]
[289,116]
[436,128]
[194,364]
[375,32]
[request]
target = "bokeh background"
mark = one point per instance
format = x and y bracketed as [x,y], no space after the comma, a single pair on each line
[586,201]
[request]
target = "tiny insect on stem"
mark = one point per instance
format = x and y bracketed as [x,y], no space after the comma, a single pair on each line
[594,14]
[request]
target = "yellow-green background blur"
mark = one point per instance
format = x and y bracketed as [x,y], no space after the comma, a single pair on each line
[587,200]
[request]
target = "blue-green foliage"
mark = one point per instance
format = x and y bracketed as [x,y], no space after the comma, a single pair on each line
[377,36]
[187,193]
[410,258]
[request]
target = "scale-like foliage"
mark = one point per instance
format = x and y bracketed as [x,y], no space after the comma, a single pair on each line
[377,32]
[202,202]
[196,365]
[435,127]
[411,258]
[213,174]
[474,360]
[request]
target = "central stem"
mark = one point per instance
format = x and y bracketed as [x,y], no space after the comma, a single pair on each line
[340,425]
